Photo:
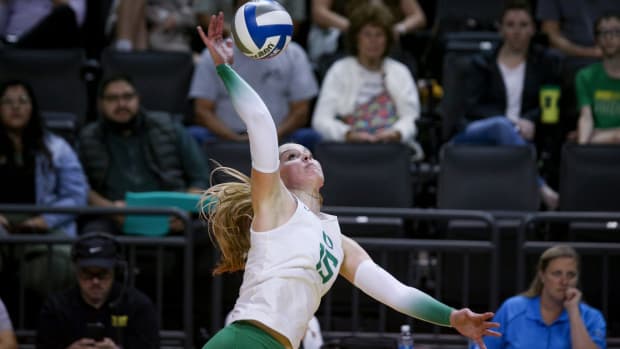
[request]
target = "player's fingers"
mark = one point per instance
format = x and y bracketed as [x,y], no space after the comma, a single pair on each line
[491,324]
[484,316]
[211,29]
[492,333]
[488,315]
[220,24]
[202,34]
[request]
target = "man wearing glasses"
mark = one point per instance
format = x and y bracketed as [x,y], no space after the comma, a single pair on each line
[598,87]
[99,312]
[129,149]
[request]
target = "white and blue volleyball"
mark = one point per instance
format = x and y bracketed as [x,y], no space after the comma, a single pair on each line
[262,29]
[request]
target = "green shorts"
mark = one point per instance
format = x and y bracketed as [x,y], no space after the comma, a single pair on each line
[242,335]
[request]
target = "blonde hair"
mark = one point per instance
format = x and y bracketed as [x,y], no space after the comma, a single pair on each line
[550,254]
[228,209]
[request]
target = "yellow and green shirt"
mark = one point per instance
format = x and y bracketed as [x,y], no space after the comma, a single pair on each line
[595,88]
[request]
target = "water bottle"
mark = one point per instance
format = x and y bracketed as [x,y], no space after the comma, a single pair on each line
[405,341]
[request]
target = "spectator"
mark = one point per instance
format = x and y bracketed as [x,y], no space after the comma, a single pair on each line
[368,97]
[37,168]
[42,24]
[132,150]
[331,18]
[165,25]
[7,335]
[502,103]
[171,24]
[551,312]
[126,24]
[286,82]
[123,316]
[598,87]
[569,24]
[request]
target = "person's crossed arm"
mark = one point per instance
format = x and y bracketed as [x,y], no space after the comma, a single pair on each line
[562,43]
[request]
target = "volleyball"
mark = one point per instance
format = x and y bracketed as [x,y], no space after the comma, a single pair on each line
[262,29]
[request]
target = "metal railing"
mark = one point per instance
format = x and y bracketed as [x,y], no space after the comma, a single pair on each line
[130,243]
[385,247]
[407,246]
[390,247]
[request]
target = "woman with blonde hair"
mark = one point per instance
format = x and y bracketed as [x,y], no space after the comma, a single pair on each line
[270,226]
[550,314]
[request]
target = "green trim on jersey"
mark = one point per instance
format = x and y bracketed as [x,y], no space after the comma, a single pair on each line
[431,310]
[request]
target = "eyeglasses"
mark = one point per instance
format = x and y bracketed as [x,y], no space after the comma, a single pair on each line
[86,274]
[608,33]
[17,102]
[125,97]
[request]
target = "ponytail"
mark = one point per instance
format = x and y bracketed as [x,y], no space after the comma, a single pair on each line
[228,209]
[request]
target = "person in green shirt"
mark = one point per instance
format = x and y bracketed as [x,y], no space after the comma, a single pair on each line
[598,87]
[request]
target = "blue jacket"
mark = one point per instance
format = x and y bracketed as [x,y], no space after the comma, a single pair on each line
[63,184]
[522,327]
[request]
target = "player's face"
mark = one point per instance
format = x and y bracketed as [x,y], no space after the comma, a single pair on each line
[608,37]
[298,169]
[371,42]
[561,273]
[119,102]
[15,108]
[517,29]
[95,283]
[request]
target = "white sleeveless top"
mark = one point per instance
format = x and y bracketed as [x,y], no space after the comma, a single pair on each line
[288,270]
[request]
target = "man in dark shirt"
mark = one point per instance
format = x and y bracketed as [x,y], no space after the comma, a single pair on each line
[130,149]
[99,311]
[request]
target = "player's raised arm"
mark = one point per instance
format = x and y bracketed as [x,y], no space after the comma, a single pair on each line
[270,199]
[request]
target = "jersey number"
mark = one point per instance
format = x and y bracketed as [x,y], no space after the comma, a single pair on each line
[327,261]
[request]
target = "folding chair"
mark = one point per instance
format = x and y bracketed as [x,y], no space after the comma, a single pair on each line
[590,181]
[490,178]
[229,154]
[368,175]
[496,178]
[590,178]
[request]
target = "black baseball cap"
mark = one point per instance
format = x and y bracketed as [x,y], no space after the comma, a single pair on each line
[95,251]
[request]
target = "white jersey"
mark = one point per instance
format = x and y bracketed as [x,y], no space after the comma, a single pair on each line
[288,270]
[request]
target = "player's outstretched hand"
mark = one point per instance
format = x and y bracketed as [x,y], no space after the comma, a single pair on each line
[221,49]
[473,325]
